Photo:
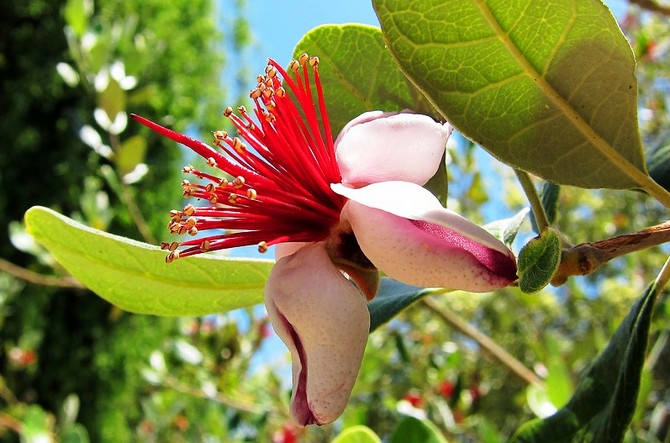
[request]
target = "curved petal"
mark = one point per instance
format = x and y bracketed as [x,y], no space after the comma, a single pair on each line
[324,321]
[407,234]
[379,146]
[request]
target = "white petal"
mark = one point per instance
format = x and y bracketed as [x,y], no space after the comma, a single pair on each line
[323,320]
[411,201]
[379,146]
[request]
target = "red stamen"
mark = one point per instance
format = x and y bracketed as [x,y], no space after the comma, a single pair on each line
[280,170]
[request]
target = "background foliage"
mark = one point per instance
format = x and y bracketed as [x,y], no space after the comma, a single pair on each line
[74,368]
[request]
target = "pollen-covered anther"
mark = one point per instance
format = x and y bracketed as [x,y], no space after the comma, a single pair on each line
[191,222]
[238,146]
[209,188]
[280,92]
[228,111]
[220,135]
[252,194]
[205,245]
[187,169]
[255,93]
[262,247]
[232,199]
[294,65]
[211,162]
[271,71]
[314,61]
[172,256]
[238,182]
[303,58]
[193,231]
[268,93]
[223,183]
[174,214]
[189,210]
[165,245]
[185,184]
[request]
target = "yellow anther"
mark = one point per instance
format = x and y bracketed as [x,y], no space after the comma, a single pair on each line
[303,58]
[294,65]
[185,183]
[209,188]
[204,246]
[268,93]
[187,169]
[232,199]
[228,111]
[173,246]
[255,93]
[193,231]
[238,146]
[271,71]
[242,109]
[182,230]
[252,194]
[211,162]
[189,210]
[260,78]
[165,245]
[191,221]
[238,182]
[172,256]
[213,199]
[223,182]
[314,61]
[220,135]
[175,214]
[280,92]
[262,247]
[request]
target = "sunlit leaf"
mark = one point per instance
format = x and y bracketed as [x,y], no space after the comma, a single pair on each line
[603,405]
[358,73]
[357,434]
[546,86]
[135,277]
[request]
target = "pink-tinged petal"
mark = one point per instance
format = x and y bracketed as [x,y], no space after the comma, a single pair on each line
[324,321]
[379,146]
[285,249]
[407,234]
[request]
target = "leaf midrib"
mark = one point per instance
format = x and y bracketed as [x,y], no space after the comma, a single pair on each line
[636,175]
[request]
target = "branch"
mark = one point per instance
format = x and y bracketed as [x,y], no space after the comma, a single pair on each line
[651,5]
[39,279]
[485,342]
[585,258]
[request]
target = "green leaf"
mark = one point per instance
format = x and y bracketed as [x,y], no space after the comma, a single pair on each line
[538,261]
[546,86]
[392,298]
[506,229]
[658,163]
[130,154]
[135,277]
[357,434]
[603,405]
[549,196]
[413,430]
[358,73]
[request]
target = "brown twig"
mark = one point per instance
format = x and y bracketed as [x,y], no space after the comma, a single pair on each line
[37,278]
[651,5]
[486,343]
[585,258]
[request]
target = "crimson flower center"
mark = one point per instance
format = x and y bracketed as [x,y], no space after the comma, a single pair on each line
[277,171]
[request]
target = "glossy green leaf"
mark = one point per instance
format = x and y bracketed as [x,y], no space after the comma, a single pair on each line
[546,86]
[538,261]
[391,299]
[357,434]
[604,402]
[358,73]
[135,277]
[413,430]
